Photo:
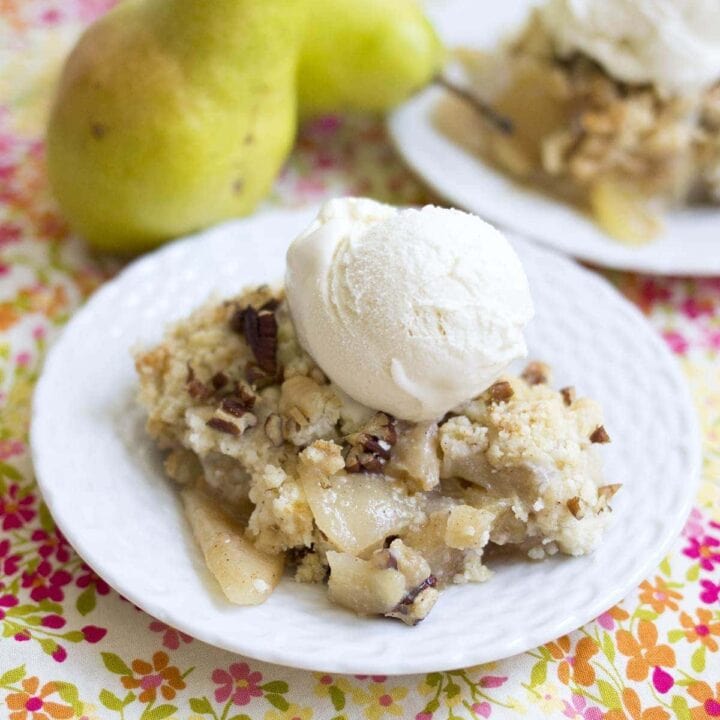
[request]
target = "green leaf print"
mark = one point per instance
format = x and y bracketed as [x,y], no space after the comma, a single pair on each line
[665,567]
[337,697]
[49,646]
[608,647]
[693,573]
[110,701]
[86,600]
[608,695]
[200,705]
[644,614]
[675,635]
[538,674]
[46,521]
[278,701]
[276,686]
[115,664]
[12,676]
[158,713]
[680,707]
[433,679]
[698,659]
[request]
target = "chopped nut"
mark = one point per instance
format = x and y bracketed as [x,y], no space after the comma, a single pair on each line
[536,373]
[196,389]
[226,422]
[370,447]
[574,506]
[568,395]
[417,603]
[260,331]
[599,435]
[258,378]
[274,429]
[224,426]
[234,406]
[501,391]
[219,380]
[606,492]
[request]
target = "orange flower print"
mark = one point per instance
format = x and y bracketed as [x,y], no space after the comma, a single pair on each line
[151,677]
[8,316]
[709,706]
[643,652]
[576,666]
[634,709]
[31,704]
[659,596]
[702,630]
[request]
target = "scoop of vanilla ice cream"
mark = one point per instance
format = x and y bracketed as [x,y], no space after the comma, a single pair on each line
[407,311]
[673,44]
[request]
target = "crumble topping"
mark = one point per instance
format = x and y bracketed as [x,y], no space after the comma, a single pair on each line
[282,467]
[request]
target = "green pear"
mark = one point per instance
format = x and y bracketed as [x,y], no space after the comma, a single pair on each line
[174,114]
[365,55]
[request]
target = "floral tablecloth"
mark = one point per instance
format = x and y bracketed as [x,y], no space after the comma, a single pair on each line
[73,648]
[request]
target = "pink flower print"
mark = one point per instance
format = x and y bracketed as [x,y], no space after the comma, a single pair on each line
[10,448]
[578,709]
[89,10]
[8,562]
[4,269]
[652,292]
[694,523]
[710,593]
[374,678]
[483,709]
[89,577]
[52,544]
[15,510]
[171,636]
[9,233]
[705,549]
[7,601]
[662,680]
[491,681]
[713,339]
[423,716]
[51,17]
[45,583]
[23,359]
[678,344]
[239,682]
[39,333]
[694,308]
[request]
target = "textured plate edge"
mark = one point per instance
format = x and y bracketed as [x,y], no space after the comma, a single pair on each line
[411,665]
[627,262]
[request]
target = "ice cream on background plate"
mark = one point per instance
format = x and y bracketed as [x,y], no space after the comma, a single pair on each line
[411,311]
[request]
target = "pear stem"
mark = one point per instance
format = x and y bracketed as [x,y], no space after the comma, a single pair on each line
[500,122]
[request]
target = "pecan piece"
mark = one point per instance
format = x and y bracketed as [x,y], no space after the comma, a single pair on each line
[536,373]
[417,603]
[197,389]
[568,395]
[574,506]
[606,492]
[501,391]
[599,435]
[370,447]
[259,327]
[224,426]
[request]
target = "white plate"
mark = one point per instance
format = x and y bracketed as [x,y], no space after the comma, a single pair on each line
[689,245]
[104,484]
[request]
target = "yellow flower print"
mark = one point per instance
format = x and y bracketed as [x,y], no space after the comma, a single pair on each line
[547,698]
[294,712]
[380,701]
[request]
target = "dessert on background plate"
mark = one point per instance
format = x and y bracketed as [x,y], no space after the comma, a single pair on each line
[359,426]
[614,106]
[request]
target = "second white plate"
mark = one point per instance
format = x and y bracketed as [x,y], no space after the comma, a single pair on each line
[103,480]
[689,244]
